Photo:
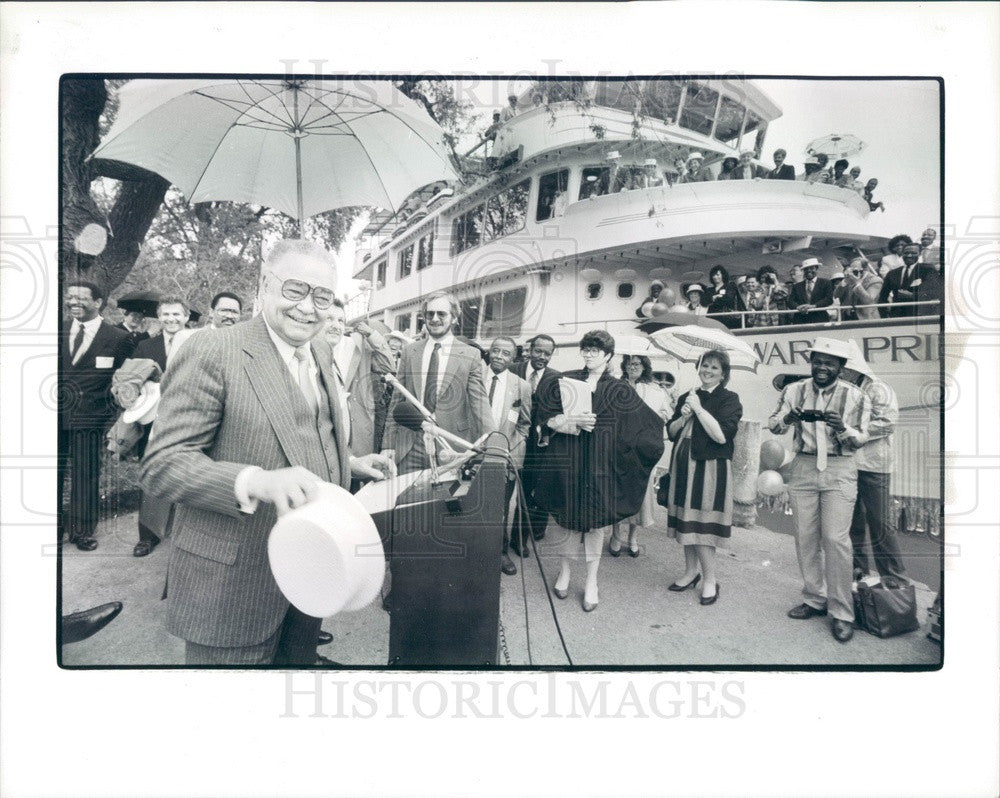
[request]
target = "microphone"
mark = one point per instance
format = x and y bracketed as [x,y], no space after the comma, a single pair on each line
[408,415]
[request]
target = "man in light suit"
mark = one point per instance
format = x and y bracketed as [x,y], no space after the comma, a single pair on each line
[911,282]
[533,370]
[813,292]
[447,376]
[250,415]
[360,360]
[510,405]
[746,169]
[90,351]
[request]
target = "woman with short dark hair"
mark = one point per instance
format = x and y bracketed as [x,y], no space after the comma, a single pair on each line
[722,296]
[595,470]
[700,508]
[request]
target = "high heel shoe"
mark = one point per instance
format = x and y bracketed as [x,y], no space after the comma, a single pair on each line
[705,601]
[633,552]
[679,588]
[589,606]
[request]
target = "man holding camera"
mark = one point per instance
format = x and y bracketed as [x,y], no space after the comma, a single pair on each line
[830,420]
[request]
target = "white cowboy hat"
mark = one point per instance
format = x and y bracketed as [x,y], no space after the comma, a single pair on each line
[144,408]
[696,156]
[837,276]
[856,362]
[694,287]
[326,556]
[811,262]
[831,346]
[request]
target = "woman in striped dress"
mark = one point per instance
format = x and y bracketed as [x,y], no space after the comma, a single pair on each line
[700,512]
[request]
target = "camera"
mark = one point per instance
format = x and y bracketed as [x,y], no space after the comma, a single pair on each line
[812,415]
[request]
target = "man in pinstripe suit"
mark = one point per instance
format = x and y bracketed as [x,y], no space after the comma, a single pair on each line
[250,415]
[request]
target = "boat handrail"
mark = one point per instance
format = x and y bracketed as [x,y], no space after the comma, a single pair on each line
[743,314]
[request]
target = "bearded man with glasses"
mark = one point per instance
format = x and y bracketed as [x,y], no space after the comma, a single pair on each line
[250,425]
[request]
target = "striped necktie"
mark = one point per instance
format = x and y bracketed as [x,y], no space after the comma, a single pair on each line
[305,382]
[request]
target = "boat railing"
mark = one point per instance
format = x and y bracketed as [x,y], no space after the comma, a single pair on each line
[747,317]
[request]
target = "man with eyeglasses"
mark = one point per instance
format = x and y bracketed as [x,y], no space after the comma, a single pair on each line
[226,310]
[447,376]
[250,426]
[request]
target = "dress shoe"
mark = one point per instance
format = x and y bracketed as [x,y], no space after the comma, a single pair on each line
[804,611]
[81,625]
[84,542]
[507,565]
[323,638]
[613,551]
[144,547]
[706,600]
[842,630]
[679,588]
[560,593]
[633,552]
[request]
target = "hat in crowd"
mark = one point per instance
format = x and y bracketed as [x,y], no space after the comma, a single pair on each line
[144,408]
[740,279]
[326,555]
[746,152]
[814,262]
[694,287]
[695,156]
[812,159]
[839,275]
[649,162]
[831,346]
[656,282]
[856,362]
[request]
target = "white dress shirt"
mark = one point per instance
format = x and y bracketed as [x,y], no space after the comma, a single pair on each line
[90,329]
[497,405]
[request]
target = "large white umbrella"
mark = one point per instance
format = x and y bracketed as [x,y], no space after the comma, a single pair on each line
[687,344]
[299,146]
[642,345]
[835,146]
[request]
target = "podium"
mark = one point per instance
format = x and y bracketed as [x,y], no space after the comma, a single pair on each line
[444,545]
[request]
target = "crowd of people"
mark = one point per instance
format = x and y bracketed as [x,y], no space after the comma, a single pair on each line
[861,289]
[252,416]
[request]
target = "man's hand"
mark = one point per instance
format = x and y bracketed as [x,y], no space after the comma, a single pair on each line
[904,295]
[832,417]
[804,308]
[373,466]
[363,327]
[794,416]
[285,488]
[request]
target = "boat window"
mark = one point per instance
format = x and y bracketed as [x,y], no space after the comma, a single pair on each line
[727,129]
[626,290]
[595,181]
[380,272]
[552,198]
[503,313]
[507,211]
[468,316]
[754,122]
[405,262]
[628,178]
[425,250]
[467,230]
[620,94]
[661,97]
[403,322]
[594,290]
[699,108]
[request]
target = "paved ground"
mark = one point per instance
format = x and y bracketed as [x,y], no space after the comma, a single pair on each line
[639,622]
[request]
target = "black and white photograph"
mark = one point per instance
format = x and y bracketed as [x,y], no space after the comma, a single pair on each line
[367,365]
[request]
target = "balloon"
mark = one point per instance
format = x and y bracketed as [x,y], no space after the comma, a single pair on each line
[770,483]
[772,455]
[668,297]
[658,309]
[647,309]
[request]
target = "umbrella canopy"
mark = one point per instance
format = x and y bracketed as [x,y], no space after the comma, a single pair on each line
[835,146]
[299,146]
[688,344]
[676,318]
[641,345]
[145,302]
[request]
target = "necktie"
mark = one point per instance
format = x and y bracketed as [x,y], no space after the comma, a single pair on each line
[820,442]
[533,381]
[493,387]
[906,277]
[77,341]
[305,383]
[168,342]
[430,384]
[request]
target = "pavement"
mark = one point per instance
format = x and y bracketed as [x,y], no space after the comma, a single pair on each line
[637,623]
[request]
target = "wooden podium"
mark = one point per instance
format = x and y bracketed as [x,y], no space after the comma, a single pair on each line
[444,545]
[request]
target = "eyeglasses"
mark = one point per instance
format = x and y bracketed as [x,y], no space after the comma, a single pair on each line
[439,314]
[591,352]
[297,290]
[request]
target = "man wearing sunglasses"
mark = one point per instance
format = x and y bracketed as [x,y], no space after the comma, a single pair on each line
[447,376]
[250,426]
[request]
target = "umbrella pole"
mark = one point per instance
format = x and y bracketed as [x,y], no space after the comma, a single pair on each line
[298,180]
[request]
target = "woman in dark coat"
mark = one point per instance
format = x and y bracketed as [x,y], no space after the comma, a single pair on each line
[700,509]
[595,470]
[722,296]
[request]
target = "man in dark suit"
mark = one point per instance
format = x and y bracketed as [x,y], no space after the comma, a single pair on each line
[90,351]
[510,404]
[250,415]
[911,282]
[134,324]
[782,170]
[810,294]
[173,314]
[533,370]
[447,376]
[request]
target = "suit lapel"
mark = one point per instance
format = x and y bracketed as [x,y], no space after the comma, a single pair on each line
[273,385]
[355,362]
